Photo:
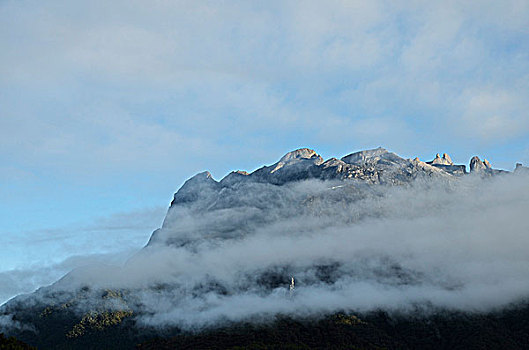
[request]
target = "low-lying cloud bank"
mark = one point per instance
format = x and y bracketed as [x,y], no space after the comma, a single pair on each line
[458,244]
[31,259]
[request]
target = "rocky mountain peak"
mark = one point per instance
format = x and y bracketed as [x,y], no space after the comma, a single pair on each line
[366,156]
[301,153]
[195,187]
[476,165]
[445,160]
[305,156]
[374,166]
[234,177]
[203,176]
[263,188]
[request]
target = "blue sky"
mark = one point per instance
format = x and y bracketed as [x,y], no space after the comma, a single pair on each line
[106,107]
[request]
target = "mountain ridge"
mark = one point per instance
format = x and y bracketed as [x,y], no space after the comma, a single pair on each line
[374,166]
[377,155]
[350,231]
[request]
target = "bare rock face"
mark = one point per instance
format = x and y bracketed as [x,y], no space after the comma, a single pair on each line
[197,187]
[454,169]
[378,155]
[446,160]
[476,165]
[296,157]
[301,153]
[295,165]
[432,169]
[234,177]
[446,164]
[265,188]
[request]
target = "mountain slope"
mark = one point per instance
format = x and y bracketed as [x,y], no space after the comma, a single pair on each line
[424,254]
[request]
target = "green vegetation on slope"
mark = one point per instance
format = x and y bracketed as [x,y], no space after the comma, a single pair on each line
[108,320]
[12,343]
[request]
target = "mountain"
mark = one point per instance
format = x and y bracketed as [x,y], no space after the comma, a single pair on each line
[263,190]
[369,251]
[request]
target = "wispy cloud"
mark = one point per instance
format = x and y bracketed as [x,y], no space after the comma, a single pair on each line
[128,91]
[127,96]
[434,244]
[36,258]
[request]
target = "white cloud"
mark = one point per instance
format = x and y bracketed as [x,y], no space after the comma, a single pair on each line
[103,90]
[495,113]
[35,258]
[248,68]
[457,245]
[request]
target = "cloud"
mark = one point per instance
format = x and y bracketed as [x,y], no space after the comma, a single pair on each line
[40,257]
[30,277]
[496,113]
[7,322]
[113,92]
[139,95]
[433,244]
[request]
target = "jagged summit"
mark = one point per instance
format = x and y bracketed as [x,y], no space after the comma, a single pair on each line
[234,177]
[476,165]
[294,165]
[205,175]
[195,188]
[365,156]
[301,153]
[297,157]
[380,157]
[445,160]
[374,166]
[265,188]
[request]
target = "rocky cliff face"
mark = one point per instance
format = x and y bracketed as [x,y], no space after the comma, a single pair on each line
[259,194]
[446,160]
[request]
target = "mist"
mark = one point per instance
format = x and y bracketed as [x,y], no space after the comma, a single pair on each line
[34,258]
[450,244]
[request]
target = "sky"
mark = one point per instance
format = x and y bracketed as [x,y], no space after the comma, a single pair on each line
[106,108]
